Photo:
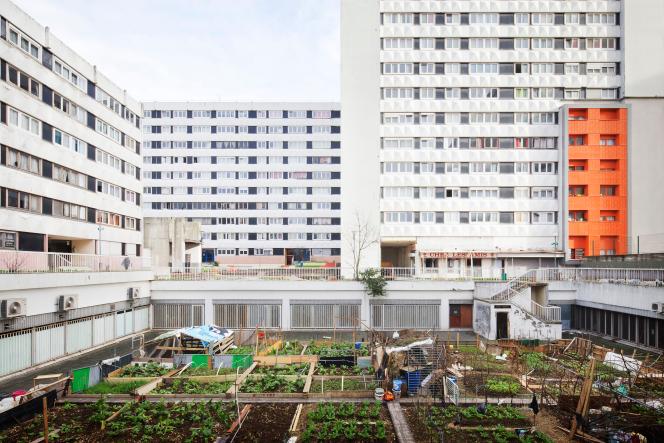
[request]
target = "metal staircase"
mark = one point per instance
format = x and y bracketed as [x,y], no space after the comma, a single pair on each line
[515,286]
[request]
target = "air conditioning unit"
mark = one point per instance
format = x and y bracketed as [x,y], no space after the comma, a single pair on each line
[132,293]
[658,307]
[67,302]
[12,307]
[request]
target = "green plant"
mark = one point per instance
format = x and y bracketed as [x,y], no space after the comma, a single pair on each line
[374,282]
[150,369]
[535,361]
[272,383]
[241,350]
[105,387]
[502,386]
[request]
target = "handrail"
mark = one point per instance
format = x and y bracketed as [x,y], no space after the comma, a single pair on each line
[23,262]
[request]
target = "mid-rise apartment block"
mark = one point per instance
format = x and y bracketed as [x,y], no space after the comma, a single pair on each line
[458,106]
[70,164]
[263,179]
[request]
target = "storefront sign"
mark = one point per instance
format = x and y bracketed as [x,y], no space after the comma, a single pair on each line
[471,254]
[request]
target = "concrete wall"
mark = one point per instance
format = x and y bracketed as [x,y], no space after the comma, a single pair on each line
[401,292]
[360,119]
[41,291]
[643,45]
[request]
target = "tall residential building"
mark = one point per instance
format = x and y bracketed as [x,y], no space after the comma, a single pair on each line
[453,120]
[70,164]
[263,179]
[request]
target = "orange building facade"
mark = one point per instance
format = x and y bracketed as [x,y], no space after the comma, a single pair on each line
[596,143]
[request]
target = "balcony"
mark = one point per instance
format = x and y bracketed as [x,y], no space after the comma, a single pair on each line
[24,262]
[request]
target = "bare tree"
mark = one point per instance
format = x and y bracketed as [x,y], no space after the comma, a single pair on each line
[363,235]
[12,261]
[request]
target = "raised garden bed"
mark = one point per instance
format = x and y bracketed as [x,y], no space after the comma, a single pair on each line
[144,371]
[205,372]
[143,422]
[266,423]
[241,350]
[324,384]
[499,385]
[273,383]
[292,369]
[188,386]
[107,388]
[289,348]
[497,424]
[346,422]
[343,370]
[342,349]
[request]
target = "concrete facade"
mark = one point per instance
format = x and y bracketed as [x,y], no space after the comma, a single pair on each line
[173,243]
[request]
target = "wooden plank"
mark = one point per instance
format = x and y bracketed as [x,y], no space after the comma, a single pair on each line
[296,419]
[241,378]
[307,384]
[240,419]
[400,424]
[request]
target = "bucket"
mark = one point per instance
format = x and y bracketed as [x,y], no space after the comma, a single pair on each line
[396,388]
[378,393]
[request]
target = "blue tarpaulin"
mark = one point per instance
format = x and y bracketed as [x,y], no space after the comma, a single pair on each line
[207,334]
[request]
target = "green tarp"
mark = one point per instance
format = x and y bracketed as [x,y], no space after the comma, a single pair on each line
[242,361]
[81,379]
[200,361]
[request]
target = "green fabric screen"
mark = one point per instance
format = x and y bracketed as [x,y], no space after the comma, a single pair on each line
[81,378]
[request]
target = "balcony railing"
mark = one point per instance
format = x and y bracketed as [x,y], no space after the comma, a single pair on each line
[24,262]
[546,313]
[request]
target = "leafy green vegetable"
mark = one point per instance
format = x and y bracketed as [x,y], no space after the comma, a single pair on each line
[150,369]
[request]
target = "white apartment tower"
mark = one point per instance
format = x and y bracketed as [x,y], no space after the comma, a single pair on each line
[262,178]
[456,106]
[69,172]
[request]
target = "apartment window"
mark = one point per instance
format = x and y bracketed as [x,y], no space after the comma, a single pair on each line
[66,175]
[23,121]
[603,18]
[452,168]
[521,168]
[398,217]
[68,210]
[608,190]
[427,43]
[452,43]
[486,18]
[601,43]
[542,18]
[521,118]
[543,218]
[544,168]
[543,118]
[484,168]
[576,140]
[397,167]
[105,99]
[483,43]
[25,162]
[572,18]
[484,193]
[108,218]
[398,119]
[607,140]
[521,18]
[483,217]
[69,108]
[397,93]
[601,68]
[542,43]
[427,93]
[427,68]
[521,218]
[572,43]
[427,217]
[70,75]
[484,68]
[521,93]
[24,42]
[451,19]
[544,93]
[544,193]
[609,94]
[108,159]
[483,93]
[23,201]
[397,18]
[521,43]
[23,81]
[397,43]
[108,130]
[542,68]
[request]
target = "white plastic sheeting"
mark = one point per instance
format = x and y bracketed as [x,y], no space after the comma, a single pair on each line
[15,350]
[49,343]
[120,324]
[22,349]
[79,335]
[102,329]
[141,319]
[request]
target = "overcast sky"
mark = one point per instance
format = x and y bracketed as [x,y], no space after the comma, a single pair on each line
[204,49]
